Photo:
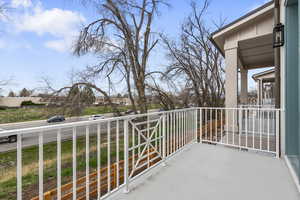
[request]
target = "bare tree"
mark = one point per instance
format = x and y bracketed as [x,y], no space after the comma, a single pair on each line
[3,10]
[166,98]
[25,93]
[11,94]
[4,83]
[3,14]
[196,60]
[123,39]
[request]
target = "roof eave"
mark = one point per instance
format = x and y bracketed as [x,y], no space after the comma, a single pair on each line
[212,35]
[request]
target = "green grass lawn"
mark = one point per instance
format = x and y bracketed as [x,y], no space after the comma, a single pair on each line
[40,113]
[30,165]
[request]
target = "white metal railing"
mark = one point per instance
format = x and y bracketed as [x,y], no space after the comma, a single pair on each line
[104,155]
[256,106]
[247,128]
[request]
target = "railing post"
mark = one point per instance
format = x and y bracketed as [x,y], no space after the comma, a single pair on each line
[126,161]
[240,126]
[19,167]
[164,140]
[277,133]
[200,136]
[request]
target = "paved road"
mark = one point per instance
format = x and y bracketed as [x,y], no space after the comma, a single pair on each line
[30,124]
[31,139]
[51,136]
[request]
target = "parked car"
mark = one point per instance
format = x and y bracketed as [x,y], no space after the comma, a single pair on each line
[10,139]
[129,112]
[57,118]
[95,117]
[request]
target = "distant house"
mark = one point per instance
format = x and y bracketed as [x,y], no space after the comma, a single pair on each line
[116,100]
[16,102]
[265,87]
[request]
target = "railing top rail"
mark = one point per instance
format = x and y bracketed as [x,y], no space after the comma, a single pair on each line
[225,108]
[128,117]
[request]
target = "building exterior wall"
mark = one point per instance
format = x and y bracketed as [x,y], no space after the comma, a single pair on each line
[292,85]
[14,102]
[259,27]
[116,100]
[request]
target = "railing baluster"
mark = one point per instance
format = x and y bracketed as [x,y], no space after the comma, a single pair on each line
[227,127]
[108,158]
[41,166]
[216,124]
[98,160]
[174,131]
[177,130]
[179,126]
[118,152]
[164,138]
[183,128]
[74,163]
[179,141]
[190,124]
[254,126]
[167,133]
[210,125]
[196,125]
[158,136]
[87,162]
[221,113]
[139,142]
[19,167]
[233,126]
[200,123]
[171,133]
[240,125]
[148,148]
[277,133]
[133,147]
[182,135]
[59,164]
[187,126]
[268,122]
[246,126]
[260,130]
[126,157]
[206,124]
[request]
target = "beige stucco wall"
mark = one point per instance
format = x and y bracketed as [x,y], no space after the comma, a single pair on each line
[259,27]
[116,100]
[16,101]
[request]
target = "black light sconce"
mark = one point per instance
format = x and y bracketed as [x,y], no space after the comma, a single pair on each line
[278,35]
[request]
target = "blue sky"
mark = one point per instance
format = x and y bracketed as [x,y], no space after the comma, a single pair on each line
[36,37]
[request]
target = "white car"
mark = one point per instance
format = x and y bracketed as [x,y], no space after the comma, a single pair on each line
[95,117]
[10,139]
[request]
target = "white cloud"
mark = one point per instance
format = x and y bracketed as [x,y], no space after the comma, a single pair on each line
[21,3]
[59,45]
[62,25]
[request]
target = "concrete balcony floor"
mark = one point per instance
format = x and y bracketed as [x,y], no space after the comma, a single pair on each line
[211,172]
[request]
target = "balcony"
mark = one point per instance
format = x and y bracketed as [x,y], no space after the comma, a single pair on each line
[181,154]
[210,172]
